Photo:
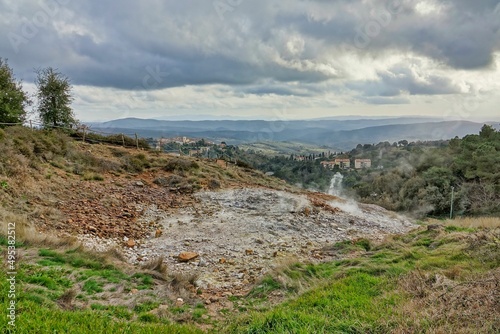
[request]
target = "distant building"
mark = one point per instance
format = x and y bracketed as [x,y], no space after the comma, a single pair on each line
[175,154]
[177,140]
[343,163]
[362,163]
[328,164]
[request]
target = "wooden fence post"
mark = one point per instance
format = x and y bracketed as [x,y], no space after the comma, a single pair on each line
[136,141]
[123,140]
[84,128]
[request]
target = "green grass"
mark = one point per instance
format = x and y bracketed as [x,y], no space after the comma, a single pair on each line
[52,278]
[351,304]
[364,294]
[4,241]
[199,311]
[110,275]
[148,317]
[146,306]
[37,312]
[91,286]
[144,281]
[452,228]
[32,318]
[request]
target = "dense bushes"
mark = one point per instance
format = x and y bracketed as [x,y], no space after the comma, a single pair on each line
[420,178]
[179,165]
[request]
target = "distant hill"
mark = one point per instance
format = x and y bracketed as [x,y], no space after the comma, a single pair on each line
[342,134]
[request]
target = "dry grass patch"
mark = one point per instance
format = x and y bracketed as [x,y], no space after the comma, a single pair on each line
[27,233]
[156,268]
[475,222]
[442,305]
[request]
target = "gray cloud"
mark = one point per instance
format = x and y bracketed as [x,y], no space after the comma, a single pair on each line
[381,100]
[401,80]
[159,44]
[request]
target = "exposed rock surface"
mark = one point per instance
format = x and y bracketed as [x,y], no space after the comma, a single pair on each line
[238,235]
[187,256]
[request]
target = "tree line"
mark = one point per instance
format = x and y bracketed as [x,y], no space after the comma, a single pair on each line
[53,98]
[420,178]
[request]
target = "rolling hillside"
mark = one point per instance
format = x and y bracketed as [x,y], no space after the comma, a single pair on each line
[341,134]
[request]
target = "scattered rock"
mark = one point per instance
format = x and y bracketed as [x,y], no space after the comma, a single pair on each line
[179,302]
[248,251]
[307,211]
[222,260]
[134,291]
[187,256]
[158,233]
[139,184]
[130,243]
[202,263]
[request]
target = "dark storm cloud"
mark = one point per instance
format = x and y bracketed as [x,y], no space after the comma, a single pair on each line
[156,44]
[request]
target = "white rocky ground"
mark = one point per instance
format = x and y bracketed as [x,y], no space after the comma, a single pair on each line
[240,234]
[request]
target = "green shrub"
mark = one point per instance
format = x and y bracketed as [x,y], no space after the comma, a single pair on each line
[180,165]
[148,317]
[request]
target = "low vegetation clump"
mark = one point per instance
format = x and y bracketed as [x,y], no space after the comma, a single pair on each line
[178,164]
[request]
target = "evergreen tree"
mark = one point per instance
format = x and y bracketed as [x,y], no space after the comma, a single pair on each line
[54,99]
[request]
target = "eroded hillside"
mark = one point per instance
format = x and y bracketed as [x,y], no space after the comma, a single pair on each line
[218,229]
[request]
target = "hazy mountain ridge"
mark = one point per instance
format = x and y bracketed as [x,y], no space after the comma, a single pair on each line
[343,134]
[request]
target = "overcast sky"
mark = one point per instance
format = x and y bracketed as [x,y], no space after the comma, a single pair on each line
[262,58]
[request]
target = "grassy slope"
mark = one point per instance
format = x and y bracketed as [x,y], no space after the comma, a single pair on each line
[66,292]
[431,280]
